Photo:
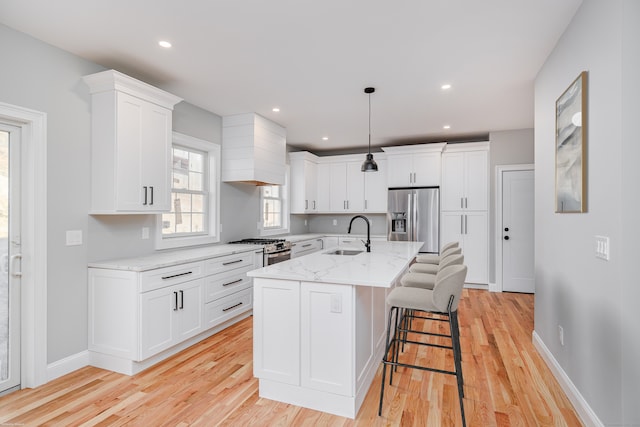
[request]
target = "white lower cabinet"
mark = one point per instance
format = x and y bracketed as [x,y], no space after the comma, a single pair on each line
[306,247]
[169,316]
[317,345]
[471,230]
[326,347]
[137,319]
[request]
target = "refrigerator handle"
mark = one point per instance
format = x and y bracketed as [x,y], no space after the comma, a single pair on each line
[415,217]
[461,224]
[410,218]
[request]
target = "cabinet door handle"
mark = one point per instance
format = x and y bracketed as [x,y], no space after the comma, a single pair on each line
[145,195]
[181,299]
[177,275]
[461,224]
[231,283]
[232,262]
[151,188]
[461,202]
[306,204]
[314,205]
[175,301]
[233,306]
[365,203]
[466,230]
[307,245]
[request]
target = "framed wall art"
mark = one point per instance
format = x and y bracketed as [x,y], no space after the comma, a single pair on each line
[571,146]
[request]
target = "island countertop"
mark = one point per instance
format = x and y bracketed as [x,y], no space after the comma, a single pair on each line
[378,268]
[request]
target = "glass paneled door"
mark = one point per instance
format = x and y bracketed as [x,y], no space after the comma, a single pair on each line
[9,258]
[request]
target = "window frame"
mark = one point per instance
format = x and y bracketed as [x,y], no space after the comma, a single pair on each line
[213,152]
[285,209]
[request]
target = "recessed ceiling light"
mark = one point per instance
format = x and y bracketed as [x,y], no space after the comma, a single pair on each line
[446,127]
[325,138]
[164,43]
[275,109]
[446,86]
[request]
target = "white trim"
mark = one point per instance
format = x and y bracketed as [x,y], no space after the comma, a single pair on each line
[34,242]
[584,411]
[286,209]
[213,151]
[497,227]
[67,365]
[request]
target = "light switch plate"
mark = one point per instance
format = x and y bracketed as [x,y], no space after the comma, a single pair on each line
[145,232]
[336,303]
[74,237]
[602,247]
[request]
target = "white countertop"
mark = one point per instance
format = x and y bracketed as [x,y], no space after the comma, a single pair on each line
[379,268]
[174,257]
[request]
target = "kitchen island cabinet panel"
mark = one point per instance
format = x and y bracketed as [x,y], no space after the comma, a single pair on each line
[280,360]
[327,346]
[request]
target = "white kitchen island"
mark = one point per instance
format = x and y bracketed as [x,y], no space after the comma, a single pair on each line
[319,325]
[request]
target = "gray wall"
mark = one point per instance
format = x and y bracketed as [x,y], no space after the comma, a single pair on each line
[38,76]
[324,224]
[511,147]
[595,301]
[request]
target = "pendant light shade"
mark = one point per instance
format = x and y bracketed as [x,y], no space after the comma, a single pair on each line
[369,164]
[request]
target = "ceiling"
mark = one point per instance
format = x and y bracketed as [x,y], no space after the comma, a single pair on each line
[313,59]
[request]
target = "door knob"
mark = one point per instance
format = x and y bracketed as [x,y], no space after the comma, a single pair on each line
[506,237]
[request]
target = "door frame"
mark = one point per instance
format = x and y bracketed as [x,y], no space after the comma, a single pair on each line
[33,307]
[500,169]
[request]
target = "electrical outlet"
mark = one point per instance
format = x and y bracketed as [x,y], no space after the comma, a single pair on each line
[561,334]
[335,222]
[145,232]
[602,247]
[305,222]
[74,237]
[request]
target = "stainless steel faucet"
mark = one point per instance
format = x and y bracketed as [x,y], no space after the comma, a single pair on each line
[367,244]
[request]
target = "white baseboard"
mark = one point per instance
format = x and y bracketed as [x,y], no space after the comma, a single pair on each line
[584,411]
[476,286]
[493,287]
[67,365]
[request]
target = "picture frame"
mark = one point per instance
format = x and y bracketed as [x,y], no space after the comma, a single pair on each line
[571,146]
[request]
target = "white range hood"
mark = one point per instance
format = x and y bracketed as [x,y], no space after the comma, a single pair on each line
[253,150]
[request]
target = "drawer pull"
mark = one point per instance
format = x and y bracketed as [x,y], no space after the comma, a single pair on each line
[233,306]
[307,245]
[177,275]
[232,262]
[175,301]
[231,283]
[181,300]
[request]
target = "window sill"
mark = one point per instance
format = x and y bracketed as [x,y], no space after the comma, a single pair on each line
[181,242]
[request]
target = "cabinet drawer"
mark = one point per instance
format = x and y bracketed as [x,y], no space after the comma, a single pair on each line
[228,307]
[220,285]
[228,263]
[161,277]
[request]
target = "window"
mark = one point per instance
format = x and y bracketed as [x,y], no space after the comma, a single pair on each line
[275,209]
[195,190]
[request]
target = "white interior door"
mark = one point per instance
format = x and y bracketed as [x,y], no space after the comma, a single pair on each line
[517,231]
[9,258]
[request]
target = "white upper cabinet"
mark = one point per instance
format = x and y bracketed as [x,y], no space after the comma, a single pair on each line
[375,188]
[253,150]
[304,187]
[130,145]
[346,186]
[414,165]
[465,177]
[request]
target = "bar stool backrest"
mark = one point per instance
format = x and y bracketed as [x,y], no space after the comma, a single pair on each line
[449,281]
[449,246]
[455,259]
[450,251]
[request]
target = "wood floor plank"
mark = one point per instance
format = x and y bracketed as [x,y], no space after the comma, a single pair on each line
[506,383]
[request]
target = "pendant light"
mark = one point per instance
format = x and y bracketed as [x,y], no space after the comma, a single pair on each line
[369,164]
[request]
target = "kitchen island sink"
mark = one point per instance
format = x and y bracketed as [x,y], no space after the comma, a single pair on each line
[350,252]
[319,324]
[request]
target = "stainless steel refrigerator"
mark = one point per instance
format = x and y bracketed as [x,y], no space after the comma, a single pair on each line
[414,215]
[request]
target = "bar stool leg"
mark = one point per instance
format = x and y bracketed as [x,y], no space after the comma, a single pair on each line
[384,357]
[457,358]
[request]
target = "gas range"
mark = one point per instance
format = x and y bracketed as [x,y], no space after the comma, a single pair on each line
[269,245]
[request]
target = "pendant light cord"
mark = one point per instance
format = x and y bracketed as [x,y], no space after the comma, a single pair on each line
[369,123]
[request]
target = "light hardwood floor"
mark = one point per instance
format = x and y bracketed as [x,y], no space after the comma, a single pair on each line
[211,383]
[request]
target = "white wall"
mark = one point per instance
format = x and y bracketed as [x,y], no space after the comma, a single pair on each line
[38,76]
[512,147]
[588,297]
